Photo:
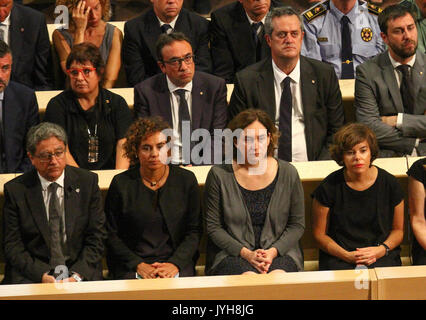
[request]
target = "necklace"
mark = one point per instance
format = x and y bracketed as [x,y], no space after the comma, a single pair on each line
[154,183]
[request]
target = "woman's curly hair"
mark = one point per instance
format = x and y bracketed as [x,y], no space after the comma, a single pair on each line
[139,131]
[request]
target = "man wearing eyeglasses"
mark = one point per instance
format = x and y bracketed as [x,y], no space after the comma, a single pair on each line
[53,221]
[18,112]
[185,98]
[142,32]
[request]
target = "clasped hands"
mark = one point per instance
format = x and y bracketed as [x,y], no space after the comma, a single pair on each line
[260,259]
[157,270]
[366,256]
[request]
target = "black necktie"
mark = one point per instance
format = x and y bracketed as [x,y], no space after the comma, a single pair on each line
[347,62]
[165,28]
[183,116]
[257,41]
[406,88]
[286,106]
[56,235]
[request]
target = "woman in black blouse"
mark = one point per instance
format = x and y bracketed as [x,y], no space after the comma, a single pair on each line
[416,198]
[95,119]
[153,210]
[358,211]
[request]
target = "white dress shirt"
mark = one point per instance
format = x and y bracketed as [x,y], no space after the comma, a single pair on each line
[398,77]
[298,145]
[174,102]
[5,25]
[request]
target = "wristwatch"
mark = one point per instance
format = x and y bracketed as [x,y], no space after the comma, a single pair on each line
[386,247]
[76,277]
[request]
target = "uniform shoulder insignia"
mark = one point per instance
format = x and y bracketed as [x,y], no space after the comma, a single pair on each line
[315,12]
[374,9]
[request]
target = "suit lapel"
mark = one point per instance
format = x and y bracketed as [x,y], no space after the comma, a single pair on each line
[243,35]
[198,102]
[164,106]
[388,74]
[15,35]
[265,83]
[308,83]
[151,31]
[71,201]
[36,205]
[418,81]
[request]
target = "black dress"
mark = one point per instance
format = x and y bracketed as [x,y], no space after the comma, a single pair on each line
[418,172]
[359,219]
[257,203]
[152,226]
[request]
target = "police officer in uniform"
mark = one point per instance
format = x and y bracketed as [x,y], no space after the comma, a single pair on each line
[344,33]
[419,7]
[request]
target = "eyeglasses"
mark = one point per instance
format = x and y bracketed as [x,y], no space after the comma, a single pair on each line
[177,62]
[47,156]
[86,71]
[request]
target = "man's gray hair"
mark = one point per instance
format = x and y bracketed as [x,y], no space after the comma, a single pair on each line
[44,131]
[279,12]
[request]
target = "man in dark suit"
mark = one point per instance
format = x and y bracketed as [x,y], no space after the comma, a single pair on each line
[390,89]
[141,34]
[25,31]
[237,37]
[18,113]
[53,222]
[301,95]
[187,99]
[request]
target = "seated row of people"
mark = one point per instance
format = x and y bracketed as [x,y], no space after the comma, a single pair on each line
[300,94]
[55,228]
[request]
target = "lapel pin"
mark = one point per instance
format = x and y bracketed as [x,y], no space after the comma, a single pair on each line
[421,72]
[201,93]
[22,29]
[313,81]
[107,101]
[77,190]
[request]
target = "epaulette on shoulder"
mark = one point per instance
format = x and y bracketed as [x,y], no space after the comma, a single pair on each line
[374,9]
[315,12]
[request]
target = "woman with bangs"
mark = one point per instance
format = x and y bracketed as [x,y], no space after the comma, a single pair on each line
[358,211]
[254,206]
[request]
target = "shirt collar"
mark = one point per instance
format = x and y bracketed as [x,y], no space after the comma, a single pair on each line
[172,23]
[279,75]
[2,95]
[339,14]
[6,21]
[395,63]
[173,87]
[45,183]
[251,21]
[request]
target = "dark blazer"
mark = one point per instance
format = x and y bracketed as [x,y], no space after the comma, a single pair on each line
[321,100]
[26,228]
[140,37]
[180,205]
[30,46]
[377,94]
[209,106]
[231,41]
[20,113]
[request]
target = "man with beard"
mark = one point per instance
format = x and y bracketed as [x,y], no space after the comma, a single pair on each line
[18,112]
[419,6]
[390,89]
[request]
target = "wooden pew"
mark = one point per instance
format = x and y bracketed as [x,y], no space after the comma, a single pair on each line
[321,285]
[396,283]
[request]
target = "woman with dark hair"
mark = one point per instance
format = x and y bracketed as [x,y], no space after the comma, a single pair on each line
[416,201]
[153,210]
[95,119]
[87,23]
[254,206]
[358,211]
